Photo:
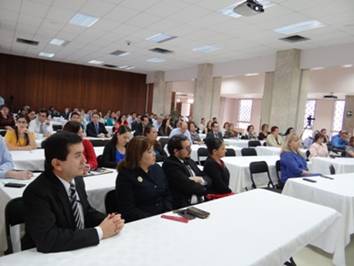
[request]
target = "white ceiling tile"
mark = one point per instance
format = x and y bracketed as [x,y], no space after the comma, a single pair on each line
[97,9]
[138,4]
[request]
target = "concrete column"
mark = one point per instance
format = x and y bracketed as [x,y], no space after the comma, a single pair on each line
[348,119]
[158,100]
[215,104]
[267,97]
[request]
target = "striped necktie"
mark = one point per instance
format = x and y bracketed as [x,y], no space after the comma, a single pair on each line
[75,207]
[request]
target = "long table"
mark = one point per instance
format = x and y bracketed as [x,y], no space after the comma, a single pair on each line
[336,193]
[341,165]
[238,232]
[96,188]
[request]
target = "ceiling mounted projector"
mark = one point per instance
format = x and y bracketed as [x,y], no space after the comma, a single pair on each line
[249,8]
[330,96]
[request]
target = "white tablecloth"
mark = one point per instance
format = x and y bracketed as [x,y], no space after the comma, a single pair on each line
[242,143]
[96,189]
[34,160]
[268,150]
[337,194]
[109,129]
[238,232]
[342,165]
[240,174]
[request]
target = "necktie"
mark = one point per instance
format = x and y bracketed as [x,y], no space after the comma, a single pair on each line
[75,207]
[97,129]
[41,129]
[189,168]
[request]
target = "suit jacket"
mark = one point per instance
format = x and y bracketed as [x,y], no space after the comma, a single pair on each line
[108,158]
[182,188]
[49,221]
[91,129]
[140,194]
[211,135]
[219,175]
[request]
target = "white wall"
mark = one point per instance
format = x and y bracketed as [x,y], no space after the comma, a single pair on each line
[324,114]
[243,87]
[182,86]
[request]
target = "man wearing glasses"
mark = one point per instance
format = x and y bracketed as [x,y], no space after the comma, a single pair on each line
[41,125]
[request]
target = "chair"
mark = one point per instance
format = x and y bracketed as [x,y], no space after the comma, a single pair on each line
[230,153]
[254,143]
[258,168]
[99,160]
[14,215]
[307,154]
[248,152]
[99,142]
[163,141]
[332,170]
[277,171]
[57,127]
[202,152]
[110,202]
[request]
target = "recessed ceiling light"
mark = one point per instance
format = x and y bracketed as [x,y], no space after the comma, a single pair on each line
[83,20]
[251,74]
[130,67]
[95,62]
[44,54]
[124,54]
[156,60]
[57,42]
[317,68]
[300,27]
[229,10]
[347,66]
[160,38]
[127,67]
[206,49]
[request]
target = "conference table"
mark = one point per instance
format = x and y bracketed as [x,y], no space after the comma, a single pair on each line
[240,173]
[96,186]
[336,193]
[237,232]
[33,160]
[242,143]
[341,165]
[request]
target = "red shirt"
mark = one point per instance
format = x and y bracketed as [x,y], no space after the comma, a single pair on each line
[89,154]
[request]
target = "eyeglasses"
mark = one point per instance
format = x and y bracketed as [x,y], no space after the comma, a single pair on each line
[187,148]
[21,121]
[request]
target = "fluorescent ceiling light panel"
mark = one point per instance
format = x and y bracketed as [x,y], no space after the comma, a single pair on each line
[251,74]
[57,42]
[127,67]
[44,54]
[95,62]
[347,66]
[300,27]
[156,60]
[160,38]
[124,54]
[229,10]
[206,49]
[130,67]
[317,68]
[83,20]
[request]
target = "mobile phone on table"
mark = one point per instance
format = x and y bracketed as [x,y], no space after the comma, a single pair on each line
[16,185]
[198,212]
[184,214]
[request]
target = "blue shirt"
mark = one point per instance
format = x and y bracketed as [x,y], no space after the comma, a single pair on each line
[338,142]
[6,163]
[119,156]
[291,165]
[177,131]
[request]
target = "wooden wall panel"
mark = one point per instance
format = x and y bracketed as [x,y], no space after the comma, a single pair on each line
[41,83]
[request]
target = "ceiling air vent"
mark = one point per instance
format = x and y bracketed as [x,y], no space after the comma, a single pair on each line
[108,65]
[26,41]
[161,51]
[294,38]
[118,53]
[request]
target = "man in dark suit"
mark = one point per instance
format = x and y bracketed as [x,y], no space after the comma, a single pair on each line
[95,128]
[58,215]
[139,127]
[187,183]
[214,133]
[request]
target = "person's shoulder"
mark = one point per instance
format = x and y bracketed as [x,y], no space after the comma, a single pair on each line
[39,185]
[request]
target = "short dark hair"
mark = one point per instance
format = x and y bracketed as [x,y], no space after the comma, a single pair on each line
[249,127]
[175,143]
[213,123]
[264,126]
[43,110]
[213,144]
[72,126]
[74,113]
[274,128]
[120,131]
[148,129]
[190,123]
[57,147]
[317,136]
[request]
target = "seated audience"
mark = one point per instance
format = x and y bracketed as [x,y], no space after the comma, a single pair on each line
[95,128]
[6,118]
[187,183]
[111,119]
[215,168]
[309,140]
[202,125]
[89,152]
[181,129]
[7,165]
[318,148]
[214,133]
[165,128]
[139,125]
[114,151]
[292,164]
[66,113]
[207,128]
[349,149]
[230,132]
[141,185]
[264,132]
[250,133]
[20,138]
[340,140]
[193,130]
[121,121]
[323,131]
[58,216]
[151,134]
[274,139]
[288,131]
[41,125]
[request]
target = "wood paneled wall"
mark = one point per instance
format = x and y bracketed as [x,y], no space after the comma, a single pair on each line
[41,83]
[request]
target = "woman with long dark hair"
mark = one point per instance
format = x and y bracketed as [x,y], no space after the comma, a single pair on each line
[20,138]
[151,134]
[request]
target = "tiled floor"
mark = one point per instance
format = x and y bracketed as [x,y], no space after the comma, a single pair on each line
[310,256]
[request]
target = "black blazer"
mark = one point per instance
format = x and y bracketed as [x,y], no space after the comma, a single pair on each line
[140,194]
[91,129]
[160,153]
[108,158]
[49,221]
[219,175]
[211,135]
[137,128]
[182,188]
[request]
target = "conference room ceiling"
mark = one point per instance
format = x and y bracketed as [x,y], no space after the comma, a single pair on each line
[125,25]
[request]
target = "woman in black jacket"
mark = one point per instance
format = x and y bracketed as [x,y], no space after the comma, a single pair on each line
[215,168]
[114,151]
[151,134]
[141,185]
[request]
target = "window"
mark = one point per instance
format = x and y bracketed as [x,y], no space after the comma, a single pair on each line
[244,115]
[338,116]
[309,111]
